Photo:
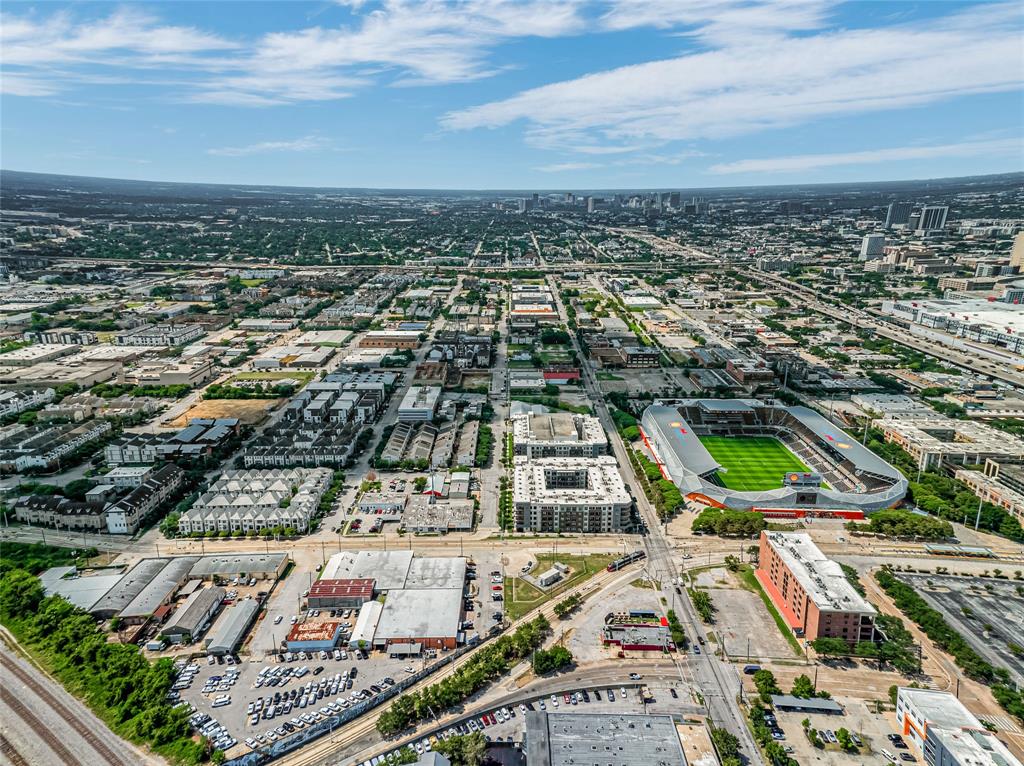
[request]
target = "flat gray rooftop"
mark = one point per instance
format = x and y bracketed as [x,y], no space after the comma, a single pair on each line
[602,739]
[83,592]
[427,613]
[236,563]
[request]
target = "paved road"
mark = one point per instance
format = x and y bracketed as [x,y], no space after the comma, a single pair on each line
[717,681]
[979,359]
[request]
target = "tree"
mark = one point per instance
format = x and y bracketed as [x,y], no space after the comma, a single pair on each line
[555,658]
[844,738]
[830,647]
[464,750]
[802,687]
[764,681]
[20,594]
[732,563]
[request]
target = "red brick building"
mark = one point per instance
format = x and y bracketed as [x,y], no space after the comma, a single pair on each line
[810,591]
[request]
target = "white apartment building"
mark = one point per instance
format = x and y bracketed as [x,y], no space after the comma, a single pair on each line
[561,494]
[160,335]
[419,404]
[558,434]
[241,501]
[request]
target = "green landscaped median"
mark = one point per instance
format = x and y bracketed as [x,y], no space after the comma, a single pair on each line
[752,463]
[746,575]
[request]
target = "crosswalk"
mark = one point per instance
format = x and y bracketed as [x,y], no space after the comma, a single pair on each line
[1002,723]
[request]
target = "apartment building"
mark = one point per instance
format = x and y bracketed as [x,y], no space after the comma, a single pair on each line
[160,335]
[810,591]
[126,515]
[558,434]
[561,494]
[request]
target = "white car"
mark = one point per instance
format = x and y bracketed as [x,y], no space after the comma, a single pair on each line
[277,620]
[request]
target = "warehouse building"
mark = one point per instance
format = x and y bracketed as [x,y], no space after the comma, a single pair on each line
[570,495]
[811,591]
[159,591]
[340,594]
[426,616]
[945,732]
[597,739]
[428,515]
[313,636]
[194,615]
[366,625]
[232,627]
[228,566]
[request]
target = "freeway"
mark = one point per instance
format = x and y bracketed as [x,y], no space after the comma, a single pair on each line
[980,360]
[715,679]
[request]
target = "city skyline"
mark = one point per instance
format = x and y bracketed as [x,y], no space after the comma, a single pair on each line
[540,95]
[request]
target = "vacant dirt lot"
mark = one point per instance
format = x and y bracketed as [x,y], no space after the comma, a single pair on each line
[248,411]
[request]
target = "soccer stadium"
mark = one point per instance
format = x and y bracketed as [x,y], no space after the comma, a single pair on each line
[747,454]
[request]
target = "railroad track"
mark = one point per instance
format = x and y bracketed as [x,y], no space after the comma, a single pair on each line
[64,755]
[12,754]
[86,733]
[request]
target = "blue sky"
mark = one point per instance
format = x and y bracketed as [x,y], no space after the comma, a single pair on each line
[544,94]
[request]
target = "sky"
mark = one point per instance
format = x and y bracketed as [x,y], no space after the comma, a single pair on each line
[524,94]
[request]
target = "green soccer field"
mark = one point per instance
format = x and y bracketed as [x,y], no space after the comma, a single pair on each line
[753,463]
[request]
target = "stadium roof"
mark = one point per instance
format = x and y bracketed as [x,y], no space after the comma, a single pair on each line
[863,458]
[725,405]
[682,440]
[688,463]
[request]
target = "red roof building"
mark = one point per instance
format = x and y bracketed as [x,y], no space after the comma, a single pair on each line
[343,593]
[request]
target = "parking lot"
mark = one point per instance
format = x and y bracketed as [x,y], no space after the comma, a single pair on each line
[507,723]
[264,696]
[988,613]
[870,728]
[742,621]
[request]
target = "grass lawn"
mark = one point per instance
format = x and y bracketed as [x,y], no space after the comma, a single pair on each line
[303,377]
[609,376]
[749,581]
[252,282]
[521,597]
[752,463]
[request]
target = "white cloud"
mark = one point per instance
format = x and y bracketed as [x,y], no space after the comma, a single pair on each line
[718,20]
[304,144]
[779,81]
[804,162]
[398,42]
[561,167]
